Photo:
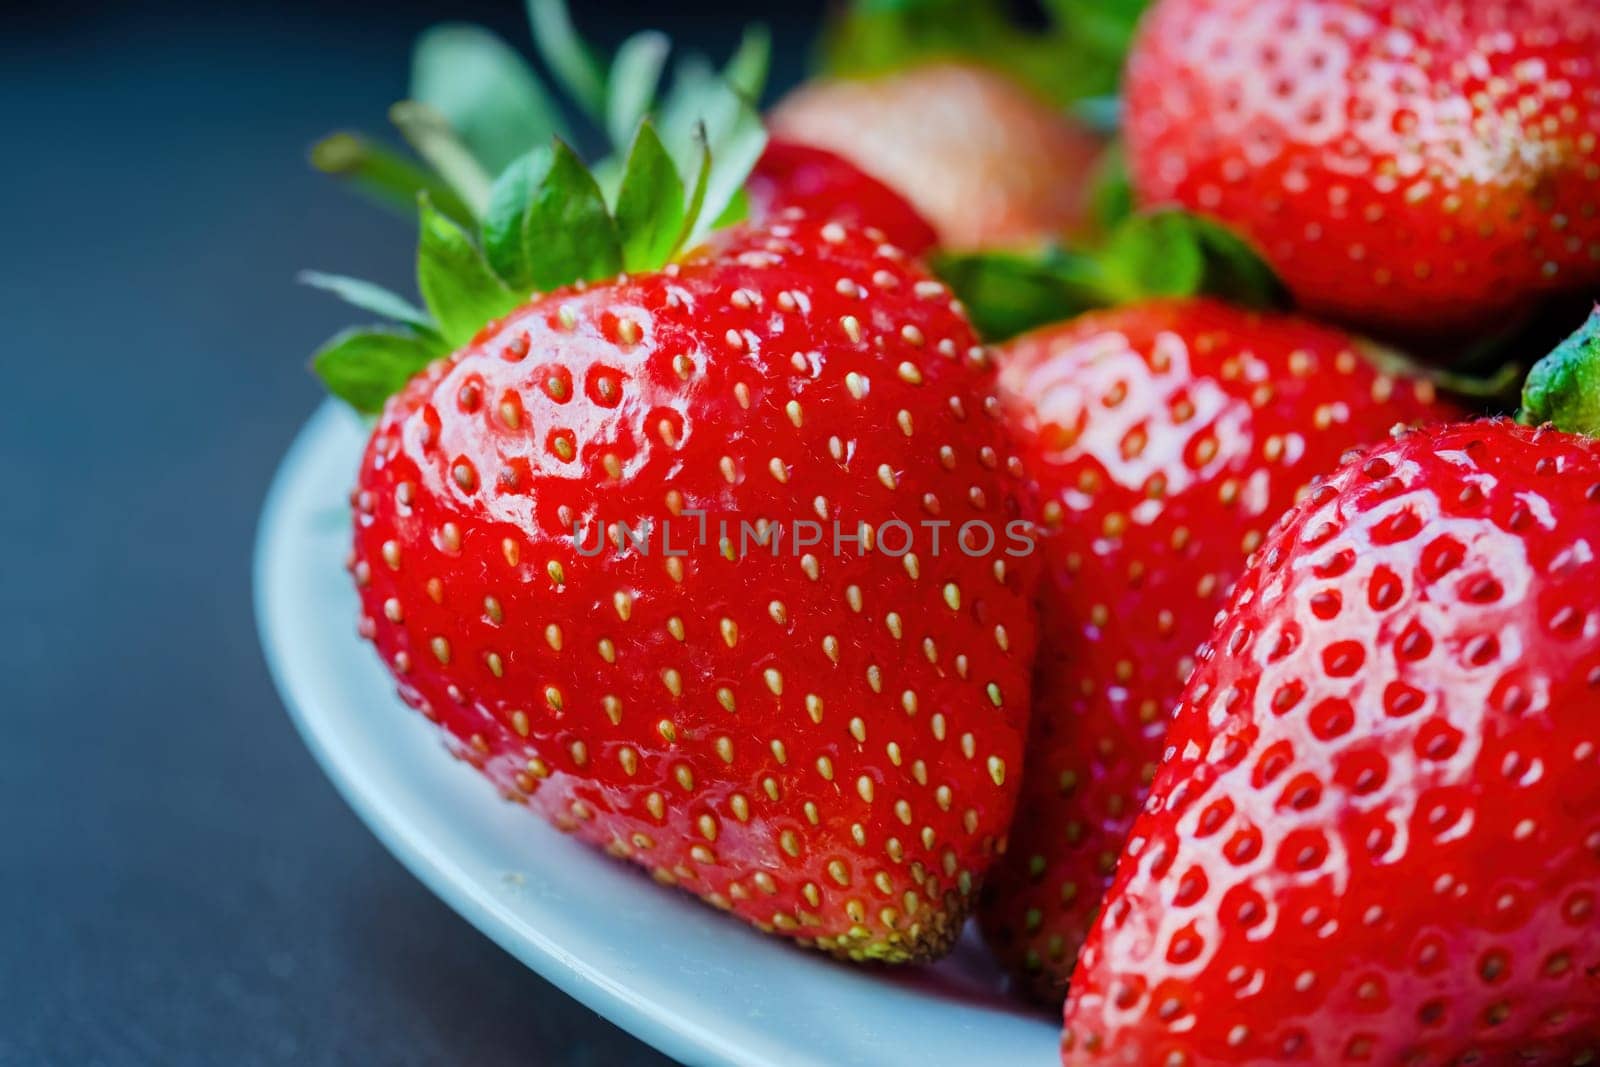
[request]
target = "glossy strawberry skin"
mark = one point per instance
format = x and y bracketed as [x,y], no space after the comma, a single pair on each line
[1165,439]
[983,159]
[826,746]
[1420,166]
[825,185]
[1376,837]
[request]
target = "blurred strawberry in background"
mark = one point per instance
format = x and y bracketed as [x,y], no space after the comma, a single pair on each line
[1418,167]
[986,159]
[991,129]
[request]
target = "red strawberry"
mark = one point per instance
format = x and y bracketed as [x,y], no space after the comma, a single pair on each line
[826,745]
[1376,835]
[1165,439]
[980,156]
[1423,166]
[827,185]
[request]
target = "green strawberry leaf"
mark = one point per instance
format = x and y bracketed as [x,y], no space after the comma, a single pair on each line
[732,158]
[737,211]
[1109,23]
[486,92]
[369,296]
[1150,256]
[631,87]
[650,203]
[365,366]
[549,225]
[384,176]
[458,286]
[697,191]
[705,113]
[1174,253]
[870,37]
[572,62]
[501,231]
[1097,35]
[1110,189]
[430,134]
[1077,55]
[1009,293]
[747,69]
[546,221]
[1234,270]
[1563,388]
[692,108]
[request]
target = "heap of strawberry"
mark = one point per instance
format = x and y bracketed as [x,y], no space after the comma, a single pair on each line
[1292,755]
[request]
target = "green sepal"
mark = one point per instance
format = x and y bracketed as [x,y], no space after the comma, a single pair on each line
[367,365]
[1148,256]
[650,209]
[485,90]
[1174,253]
[631,87]
[1151,256]
[369,296]
[573,63]
[1077,55]
[1110,189]
[746,70]
[385,176]
[731,161]
[705,115]
[430,133]
[547,224]
[546,221]
[1234,269]
[501,229]
[697,191]
[1096,35]
[698,105]
[1008,293]
[457,284]
[871,37]
[736,211]
[1563,389]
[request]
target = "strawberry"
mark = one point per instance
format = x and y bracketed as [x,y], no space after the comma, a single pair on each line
[649,547]
[822,183]
[1376,835]
[1165,438]
[980,156]
[1418,166]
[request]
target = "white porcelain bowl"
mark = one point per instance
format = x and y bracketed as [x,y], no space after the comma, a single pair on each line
[693,983]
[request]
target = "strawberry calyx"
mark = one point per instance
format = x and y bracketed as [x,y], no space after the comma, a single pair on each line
[547,224]
[1074,58]
[1563,389]
[475,105]
[1150,255]
[506,206]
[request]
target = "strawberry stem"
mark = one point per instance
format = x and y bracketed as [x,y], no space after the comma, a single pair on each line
[1499,386]
[1563,389]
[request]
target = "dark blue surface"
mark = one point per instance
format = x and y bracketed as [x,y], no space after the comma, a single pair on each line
[178,883]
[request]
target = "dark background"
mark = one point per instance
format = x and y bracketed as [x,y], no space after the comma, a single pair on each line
[178,883]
